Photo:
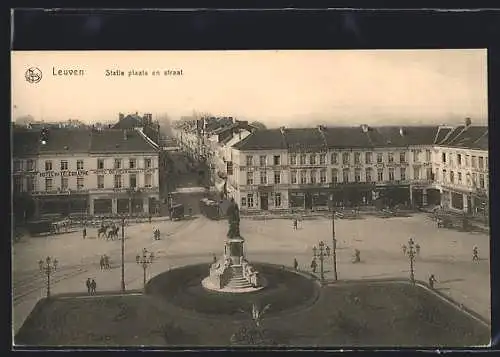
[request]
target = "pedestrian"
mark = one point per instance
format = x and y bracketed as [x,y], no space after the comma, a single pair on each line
[314,265]
[295,223]
[40,264]
[432,280]
[93,287]
[106,262]
[404,249]
[84,233]
[101,262]
[417,248]
[150,219]
[475,254]
[55,262]
[295,264]
[214,259]
[89,286]
[137,258]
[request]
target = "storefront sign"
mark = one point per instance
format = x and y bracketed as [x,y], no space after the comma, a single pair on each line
[121,171]
[63,173]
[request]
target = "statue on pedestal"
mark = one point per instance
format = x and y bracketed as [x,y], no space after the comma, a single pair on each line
[233,218]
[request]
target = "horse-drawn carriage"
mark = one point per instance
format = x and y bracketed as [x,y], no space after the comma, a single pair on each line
[444,222]
[108,231]
[177,212]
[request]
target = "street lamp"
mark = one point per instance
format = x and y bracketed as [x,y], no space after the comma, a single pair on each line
[334,246]
[47,267]
[411,254]
[123,255]
[145,260]
[321,253]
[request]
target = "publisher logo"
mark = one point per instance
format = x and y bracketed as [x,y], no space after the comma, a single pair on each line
[33,75]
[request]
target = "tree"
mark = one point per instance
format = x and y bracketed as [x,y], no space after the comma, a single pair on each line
[258,125]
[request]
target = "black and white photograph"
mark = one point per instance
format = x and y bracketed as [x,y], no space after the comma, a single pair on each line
[292,198]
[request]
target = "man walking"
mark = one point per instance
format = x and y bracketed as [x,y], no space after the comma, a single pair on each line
[432,280]
[93,287]
[89,286]
[101,262]
[295,223]
[314,265]
[295,264]
[475,254]
[106,262]
[84,233]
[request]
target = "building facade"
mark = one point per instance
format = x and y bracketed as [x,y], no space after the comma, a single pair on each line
[84,172]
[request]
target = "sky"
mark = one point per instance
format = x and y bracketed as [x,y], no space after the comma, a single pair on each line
[293,88]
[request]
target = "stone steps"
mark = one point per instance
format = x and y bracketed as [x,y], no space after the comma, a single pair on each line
[237,280]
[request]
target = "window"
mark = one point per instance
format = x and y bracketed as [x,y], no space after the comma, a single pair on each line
[249,178]
[118,164]
[481,163]
[30,184]
[452,177]
[64,165]
[416,155]
[48,165]
[263,178]
[459,160]
[30,165]
[303,178]
[80,183]
[402,156]
[335,176]
[334,158]
[402,173]
[277,177]
[64,183]
[444,176]
[277,199]
[302,159]
[474,162]
[486,163]
[249,160]
[345,176]
[459,177]
[100,164]
[357,158]
[368,158]
[380,175]
[322,159]
[380,158]
[428,156]
[313,176]
[474,179]
[443,158]
[416,173]
[467,160]
[148,180]
[390,157]
[357,175]
[18,185]
[100,181]
[322,176]
[250,200]
[293,160]
[293,176]
[428,173]
[79,164]
[277,160]
[118,181]
[132,163]
[436,174]
[243,201]
[262,160]
[48,184]
[312,159]
[391,174]
[147,163]
[17,165]
[481,180]
[132,180]
[368,175]
[345,158]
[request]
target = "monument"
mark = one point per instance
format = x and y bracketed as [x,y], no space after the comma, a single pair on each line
[233,273]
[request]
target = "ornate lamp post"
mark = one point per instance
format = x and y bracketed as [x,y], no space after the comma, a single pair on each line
[411,254]
[123,255]
[321,253]
[334,246]
[145,260]
[47,267]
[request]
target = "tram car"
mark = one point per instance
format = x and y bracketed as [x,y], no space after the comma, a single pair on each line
[210,209]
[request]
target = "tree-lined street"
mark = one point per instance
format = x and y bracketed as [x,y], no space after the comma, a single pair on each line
[445,253]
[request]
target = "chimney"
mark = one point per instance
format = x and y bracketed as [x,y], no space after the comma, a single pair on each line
[121,116]
[401,132]
[468,122]
[364,128]
[125,135]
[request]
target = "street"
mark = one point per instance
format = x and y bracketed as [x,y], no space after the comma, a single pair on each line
[445,253]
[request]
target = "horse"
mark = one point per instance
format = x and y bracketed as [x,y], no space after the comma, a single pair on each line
[113,233]
[102,230]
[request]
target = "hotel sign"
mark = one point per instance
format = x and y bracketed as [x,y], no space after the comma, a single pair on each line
[63,173]
[121,171]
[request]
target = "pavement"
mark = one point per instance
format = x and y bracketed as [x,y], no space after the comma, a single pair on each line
[445,253]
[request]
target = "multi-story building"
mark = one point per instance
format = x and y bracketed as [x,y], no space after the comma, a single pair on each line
[84,171]
[306,168]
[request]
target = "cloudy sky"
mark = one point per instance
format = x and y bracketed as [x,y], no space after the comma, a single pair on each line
[276,87]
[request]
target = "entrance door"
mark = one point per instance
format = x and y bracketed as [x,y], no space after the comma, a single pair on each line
[308,201]
[264,203]
[469,205]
